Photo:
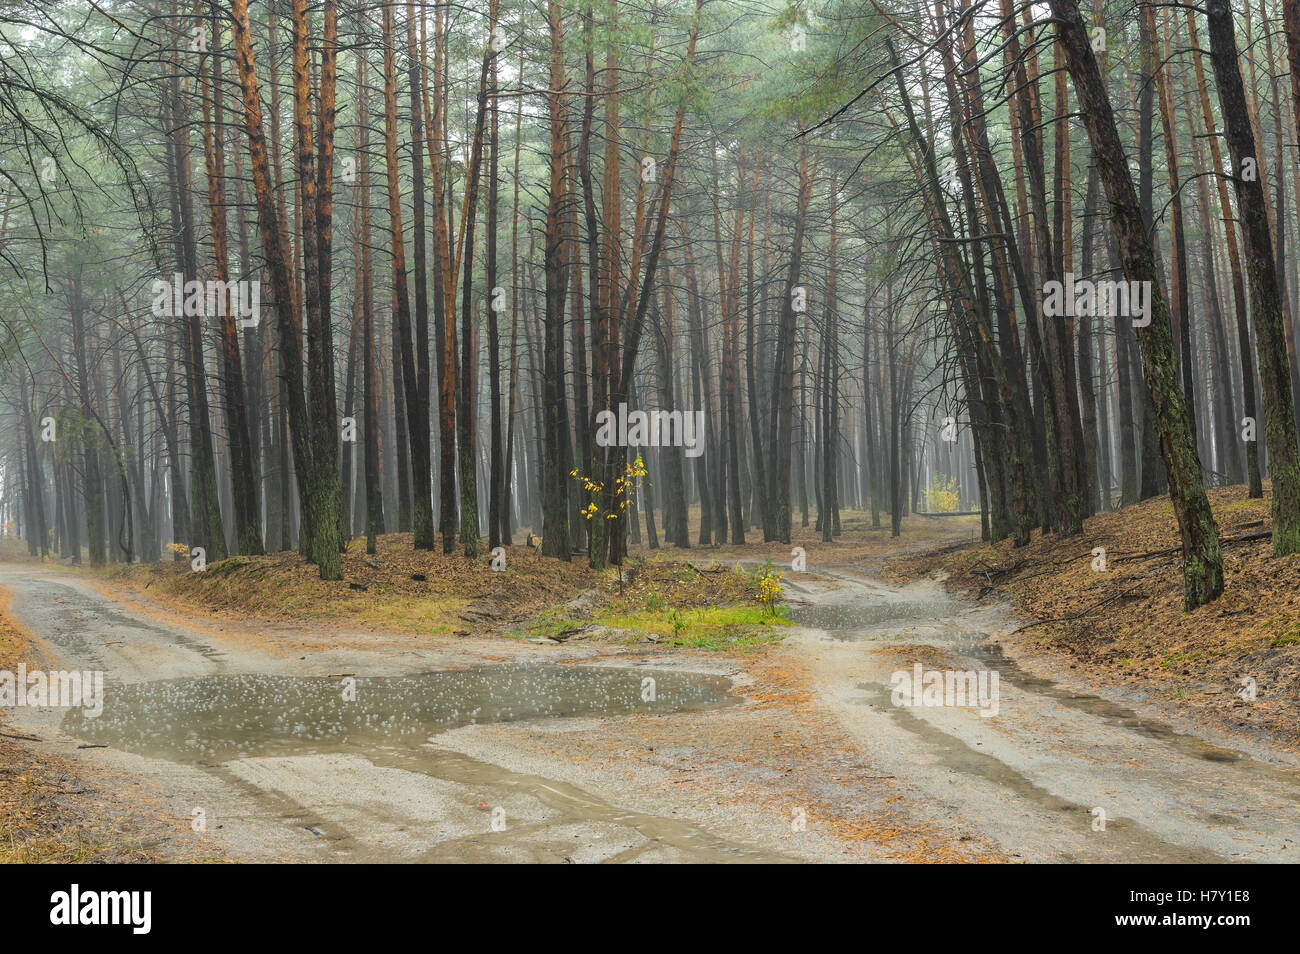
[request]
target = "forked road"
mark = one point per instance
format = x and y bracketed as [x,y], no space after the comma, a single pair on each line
[1056,773]
[483,749]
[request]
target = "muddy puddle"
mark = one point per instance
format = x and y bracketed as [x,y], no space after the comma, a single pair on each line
[218,718]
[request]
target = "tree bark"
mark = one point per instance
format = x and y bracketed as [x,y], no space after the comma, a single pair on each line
[1202,559]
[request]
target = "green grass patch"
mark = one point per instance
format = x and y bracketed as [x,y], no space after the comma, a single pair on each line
[426,617]
[704,627]
[548,625]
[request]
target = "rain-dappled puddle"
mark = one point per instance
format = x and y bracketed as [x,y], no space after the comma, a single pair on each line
[217,718]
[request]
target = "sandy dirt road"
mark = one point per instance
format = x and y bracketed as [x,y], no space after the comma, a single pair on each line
[477,749]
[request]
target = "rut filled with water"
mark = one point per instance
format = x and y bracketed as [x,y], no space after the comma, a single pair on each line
[217,718]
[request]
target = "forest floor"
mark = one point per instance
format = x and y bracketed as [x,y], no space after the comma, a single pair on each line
[54,810]
[770,738]
[1125,626]
[655,599]
[596,782]
[705,596]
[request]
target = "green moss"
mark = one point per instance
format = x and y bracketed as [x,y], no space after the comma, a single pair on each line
[1287,633]
[1171,659]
